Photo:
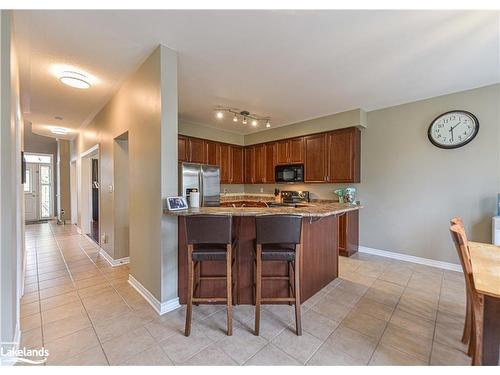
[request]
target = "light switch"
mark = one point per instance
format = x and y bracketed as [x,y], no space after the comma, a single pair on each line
[110,188]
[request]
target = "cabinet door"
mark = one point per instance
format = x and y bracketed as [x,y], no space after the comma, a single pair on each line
[260,164]
[182,148]
[296,147]
[315,158]
[212,153]
[283,152]
[237,165]
[225,164]
[250,165]
[196,150]
[344,148]
[270,162]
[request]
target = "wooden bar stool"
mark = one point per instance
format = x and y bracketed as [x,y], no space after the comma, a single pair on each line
[209,239]
[278,238]
[476,299]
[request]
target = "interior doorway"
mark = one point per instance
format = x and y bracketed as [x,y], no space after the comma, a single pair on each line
[39,187]
[90,180]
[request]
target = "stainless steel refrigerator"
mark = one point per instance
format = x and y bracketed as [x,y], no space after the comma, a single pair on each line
[202,177]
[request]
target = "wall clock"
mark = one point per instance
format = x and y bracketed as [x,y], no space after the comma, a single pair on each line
[453,129]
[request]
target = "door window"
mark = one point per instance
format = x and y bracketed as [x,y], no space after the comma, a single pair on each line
[45,191]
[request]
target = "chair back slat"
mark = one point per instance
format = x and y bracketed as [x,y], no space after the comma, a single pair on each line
[462,245]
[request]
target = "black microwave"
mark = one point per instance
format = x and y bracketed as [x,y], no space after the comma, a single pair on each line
[289,173]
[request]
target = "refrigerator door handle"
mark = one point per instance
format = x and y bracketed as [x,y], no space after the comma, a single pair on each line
[202,194]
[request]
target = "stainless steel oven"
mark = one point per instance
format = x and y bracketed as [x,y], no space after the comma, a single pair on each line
[289,173]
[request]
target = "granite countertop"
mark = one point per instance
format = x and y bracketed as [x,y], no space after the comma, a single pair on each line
[305,210]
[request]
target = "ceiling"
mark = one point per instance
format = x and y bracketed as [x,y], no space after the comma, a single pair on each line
[289,65]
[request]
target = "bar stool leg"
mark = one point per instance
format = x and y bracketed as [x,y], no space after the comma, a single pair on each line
[189,311]
[229,281]
[258,288]
[296,274]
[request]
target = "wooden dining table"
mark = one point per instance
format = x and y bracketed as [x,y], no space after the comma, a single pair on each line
[485,260]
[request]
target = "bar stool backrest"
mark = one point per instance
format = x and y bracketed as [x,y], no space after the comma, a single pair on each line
[278,229]
[208,229]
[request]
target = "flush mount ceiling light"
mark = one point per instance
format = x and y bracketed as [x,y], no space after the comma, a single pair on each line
[75,79]
[59,131]
[244,115]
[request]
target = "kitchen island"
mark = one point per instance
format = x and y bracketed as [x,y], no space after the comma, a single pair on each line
[319,261]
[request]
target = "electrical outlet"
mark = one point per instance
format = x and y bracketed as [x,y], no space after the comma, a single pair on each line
[261,190]
[104,238]
[110,188]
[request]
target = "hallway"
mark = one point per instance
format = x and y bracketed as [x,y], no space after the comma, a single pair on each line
[72,295]
[85,313]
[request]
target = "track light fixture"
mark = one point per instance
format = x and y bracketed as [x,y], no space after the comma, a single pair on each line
[245,116]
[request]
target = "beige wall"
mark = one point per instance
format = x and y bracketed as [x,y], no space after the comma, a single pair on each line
[206,132]
[135,108]
[11,190]
[411,189]
[356,117]
[63,184]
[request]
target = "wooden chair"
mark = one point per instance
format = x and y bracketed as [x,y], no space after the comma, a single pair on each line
[209,239]
[467,333]
[476,299]
[278,238]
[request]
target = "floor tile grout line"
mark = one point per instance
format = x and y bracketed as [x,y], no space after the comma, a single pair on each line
[435,322]
[81,301]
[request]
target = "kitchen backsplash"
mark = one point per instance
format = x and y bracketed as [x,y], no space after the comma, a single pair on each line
[317,191]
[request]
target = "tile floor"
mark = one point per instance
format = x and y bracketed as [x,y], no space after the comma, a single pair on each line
[378,312]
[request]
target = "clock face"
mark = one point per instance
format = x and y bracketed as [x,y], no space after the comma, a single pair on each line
[453,129]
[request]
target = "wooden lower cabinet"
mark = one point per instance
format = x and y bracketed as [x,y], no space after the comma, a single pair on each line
[318,266]
[348,233]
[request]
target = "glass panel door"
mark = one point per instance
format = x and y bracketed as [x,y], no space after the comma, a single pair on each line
[45,191]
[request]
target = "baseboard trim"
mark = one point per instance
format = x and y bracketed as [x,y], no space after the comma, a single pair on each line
[111,261]
[6,360]
[411,258]
[160,307]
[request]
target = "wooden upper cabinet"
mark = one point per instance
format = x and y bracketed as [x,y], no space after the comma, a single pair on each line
[260,164]
[225,164]
[290,151]
[344,153]
[270,162]
[315,165]
[250,165]
[237,165]
[296,148]
[282,152]
[182,148]
[196,150]
[212,153]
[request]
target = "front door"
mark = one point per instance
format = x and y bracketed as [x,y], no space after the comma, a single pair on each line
[31,192]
